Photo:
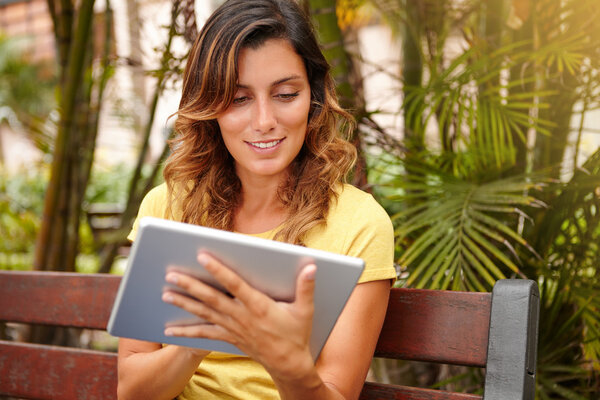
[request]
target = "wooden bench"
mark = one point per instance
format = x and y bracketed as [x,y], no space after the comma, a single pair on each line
[496,331]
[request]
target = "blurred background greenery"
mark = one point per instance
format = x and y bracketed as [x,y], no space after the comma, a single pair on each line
[478,130]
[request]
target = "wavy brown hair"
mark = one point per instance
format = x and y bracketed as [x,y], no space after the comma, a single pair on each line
[200,172]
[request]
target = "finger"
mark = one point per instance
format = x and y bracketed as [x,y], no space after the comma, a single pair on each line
[211,297]
[195,307]
[205,331]
[305,289]
[231,281]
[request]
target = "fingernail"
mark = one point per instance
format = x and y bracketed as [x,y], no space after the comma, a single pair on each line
[202,259]
[168,332]
[167,297]
[312,270]
[171,278]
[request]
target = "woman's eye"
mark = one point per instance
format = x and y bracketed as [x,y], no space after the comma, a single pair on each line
[287,96]
[240,100]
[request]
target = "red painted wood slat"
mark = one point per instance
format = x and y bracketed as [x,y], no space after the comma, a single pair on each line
[65,299]
[50,372]
[436,326]
[379,391]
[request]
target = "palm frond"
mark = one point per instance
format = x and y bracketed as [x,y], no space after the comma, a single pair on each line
[466,97]
[457,231]
[564,369]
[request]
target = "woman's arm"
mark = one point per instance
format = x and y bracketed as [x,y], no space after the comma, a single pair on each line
[149,371]
[355,337]
[344,361]
[277,334]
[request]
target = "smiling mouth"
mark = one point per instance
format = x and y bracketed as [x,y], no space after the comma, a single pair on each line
[265,145]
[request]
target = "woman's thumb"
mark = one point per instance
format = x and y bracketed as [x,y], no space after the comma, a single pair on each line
[305,287]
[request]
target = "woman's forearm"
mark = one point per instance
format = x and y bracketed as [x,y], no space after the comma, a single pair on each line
[310,386]
[160,374]
[301,380]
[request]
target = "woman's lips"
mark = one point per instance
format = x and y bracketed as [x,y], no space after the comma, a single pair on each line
[265,144]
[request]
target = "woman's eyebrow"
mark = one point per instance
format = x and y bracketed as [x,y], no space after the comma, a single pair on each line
[275,83]
[283,80]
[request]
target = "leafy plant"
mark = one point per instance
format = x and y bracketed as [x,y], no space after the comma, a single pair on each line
[569,238]
[20,205]
[479,187]
[26,92]
[455,232]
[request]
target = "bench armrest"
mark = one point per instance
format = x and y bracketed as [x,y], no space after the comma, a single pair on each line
[512,346]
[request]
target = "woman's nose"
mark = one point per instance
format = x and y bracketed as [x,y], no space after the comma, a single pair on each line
[263,119]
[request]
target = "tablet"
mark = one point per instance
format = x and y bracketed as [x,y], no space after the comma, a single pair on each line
[270,266]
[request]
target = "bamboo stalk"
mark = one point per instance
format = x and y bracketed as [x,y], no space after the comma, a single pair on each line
[48,253]
[332,40]
[412,71]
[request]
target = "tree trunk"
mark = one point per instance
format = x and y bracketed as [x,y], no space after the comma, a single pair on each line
[62,12]
[332,42]
[523,33]
[550,149]
[57,222]
[58,239]
[138,75]
[331,37]
[412,73]
[492,29]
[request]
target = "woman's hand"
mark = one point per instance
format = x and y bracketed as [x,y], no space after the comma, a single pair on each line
[275,334]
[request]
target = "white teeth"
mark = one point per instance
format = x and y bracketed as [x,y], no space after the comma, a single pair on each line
[265,145]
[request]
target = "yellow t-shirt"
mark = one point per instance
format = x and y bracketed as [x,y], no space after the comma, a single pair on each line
[356,226]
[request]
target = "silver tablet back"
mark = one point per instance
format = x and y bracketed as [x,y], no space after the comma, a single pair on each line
[267,265]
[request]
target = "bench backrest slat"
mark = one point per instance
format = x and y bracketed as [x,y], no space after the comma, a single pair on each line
[436,326]
[57,298]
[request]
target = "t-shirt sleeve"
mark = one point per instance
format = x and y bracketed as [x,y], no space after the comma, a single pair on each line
[372,239]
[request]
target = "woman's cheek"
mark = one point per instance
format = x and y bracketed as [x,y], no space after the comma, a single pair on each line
[298,115]
[232,121]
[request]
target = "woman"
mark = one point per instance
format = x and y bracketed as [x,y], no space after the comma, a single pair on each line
[258,153]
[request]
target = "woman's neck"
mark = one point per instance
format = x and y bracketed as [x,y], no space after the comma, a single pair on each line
[260,209]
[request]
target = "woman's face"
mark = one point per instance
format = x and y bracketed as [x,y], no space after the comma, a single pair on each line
[265,126]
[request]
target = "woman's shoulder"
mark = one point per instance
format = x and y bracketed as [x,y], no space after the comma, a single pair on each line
[357,225]
[349,191]
[158,192]
[355,210]
[351,199]
[155,201]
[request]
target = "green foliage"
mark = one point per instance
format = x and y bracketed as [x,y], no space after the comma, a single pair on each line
[456,233]
[467,208]
[569,238]
[26,91]
[482,122]
[21,204]
[109,185]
